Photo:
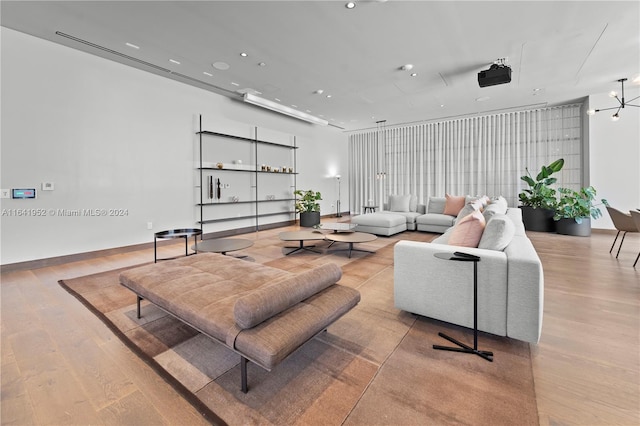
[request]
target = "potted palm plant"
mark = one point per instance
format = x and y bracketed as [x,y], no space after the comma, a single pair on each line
[308,207]
[574,211]
[538,201]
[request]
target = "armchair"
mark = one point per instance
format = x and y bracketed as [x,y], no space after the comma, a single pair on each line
[623,222]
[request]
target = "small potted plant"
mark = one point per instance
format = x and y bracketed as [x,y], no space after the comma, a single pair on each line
[539,200]
[308,207]
[574,211]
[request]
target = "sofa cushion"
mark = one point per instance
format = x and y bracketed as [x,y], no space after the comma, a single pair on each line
[413,203]
[467,232]
[270,300]
[435,219]
[453,204]
[498,233]
[436,205]
[399,203]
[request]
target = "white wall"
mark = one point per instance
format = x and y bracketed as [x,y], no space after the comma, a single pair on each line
[614,159]
[113,137]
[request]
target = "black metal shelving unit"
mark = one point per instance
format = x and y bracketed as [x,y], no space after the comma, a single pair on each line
[256,201]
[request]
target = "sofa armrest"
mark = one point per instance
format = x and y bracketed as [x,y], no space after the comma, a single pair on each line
[443,290]
[526,291]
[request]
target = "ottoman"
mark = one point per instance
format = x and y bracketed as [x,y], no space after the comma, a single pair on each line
[380,223]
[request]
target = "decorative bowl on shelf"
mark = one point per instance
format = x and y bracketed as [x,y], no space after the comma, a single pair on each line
[220,165]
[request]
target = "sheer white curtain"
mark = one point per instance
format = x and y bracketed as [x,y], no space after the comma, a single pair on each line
[475,155]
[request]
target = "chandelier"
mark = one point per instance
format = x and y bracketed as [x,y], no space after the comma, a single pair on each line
[621,102]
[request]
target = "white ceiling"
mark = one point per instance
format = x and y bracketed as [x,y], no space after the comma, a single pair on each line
[559,51]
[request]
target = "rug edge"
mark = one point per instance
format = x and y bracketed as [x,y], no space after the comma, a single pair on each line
[200,406]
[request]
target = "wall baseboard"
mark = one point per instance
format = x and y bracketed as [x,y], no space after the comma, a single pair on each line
[60,260]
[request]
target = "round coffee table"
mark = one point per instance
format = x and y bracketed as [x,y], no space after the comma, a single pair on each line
[222,245]
[301,236]
[352,238]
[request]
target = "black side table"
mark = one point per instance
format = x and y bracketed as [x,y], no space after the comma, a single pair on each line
[465,257]
[176,233]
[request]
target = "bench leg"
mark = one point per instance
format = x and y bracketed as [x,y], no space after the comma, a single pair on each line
[139,299]
[243,374]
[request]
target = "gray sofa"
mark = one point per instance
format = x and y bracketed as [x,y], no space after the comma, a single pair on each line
[510,282]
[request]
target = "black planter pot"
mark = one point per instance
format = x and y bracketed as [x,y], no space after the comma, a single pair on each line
[540,220]
[571,227]
[309,219]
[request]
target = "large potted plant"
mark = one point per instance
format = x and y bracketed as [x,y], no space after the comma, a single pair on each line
[308,207]
[539,199]
[574,211]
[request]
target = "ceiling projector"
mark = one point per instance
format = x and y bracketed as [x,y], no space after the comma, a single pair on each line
[496,74]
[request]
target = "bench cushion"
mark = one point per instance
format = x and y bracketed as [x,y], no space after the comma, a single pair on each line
[267,301]
[202,291]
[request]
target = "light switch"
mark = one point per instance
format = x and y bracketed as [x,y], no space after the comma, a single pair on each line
[5,193]
[47,186]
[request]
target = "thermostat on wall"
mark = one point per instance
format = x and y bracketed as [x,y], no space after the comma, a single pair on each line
[23,193]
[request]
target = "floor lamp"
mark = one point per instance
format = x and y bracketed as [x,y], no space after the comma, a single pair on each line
[338,213]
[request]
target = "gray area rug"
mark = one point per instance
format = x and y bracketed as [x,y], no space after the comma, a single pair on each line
[375,365]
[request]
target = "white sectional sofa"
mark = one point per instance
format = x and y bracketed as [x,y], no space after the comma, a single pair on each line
[510,280]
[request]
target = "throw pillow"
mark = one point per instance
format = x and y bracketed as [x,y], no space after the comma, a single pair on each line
[467,232]
[436,205]
[453,204]
[498,233]
[468,209]
[399,203]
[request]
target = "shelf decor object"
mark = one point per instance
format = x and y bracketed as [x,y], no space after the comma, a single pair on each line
[621,103]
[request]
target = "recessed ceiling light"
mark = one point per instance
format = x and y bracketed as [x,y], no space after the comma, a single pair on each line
[441,105]
[235,84]
[483,98]
[407,67]
[319,92]
[262,64]
[244,55]
[173,61]
[208,73]
[414,74]
[132,46]
[350,5]
[222,66]
[328,96]
[277,99]
[294,106]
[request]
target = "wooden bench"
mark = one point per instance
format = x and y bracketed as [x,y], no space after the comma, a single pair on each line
[264,314]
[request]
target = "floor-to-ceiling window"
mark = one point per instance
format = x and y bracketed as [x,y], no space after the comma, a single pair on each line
[472,155]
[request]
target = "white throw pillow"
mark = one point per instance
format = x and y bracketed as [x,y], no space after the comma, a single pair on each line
[399,203]
[498,233]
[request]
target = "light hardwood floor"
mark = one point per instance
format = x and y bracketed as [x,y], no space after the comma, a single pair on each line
[61,365]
